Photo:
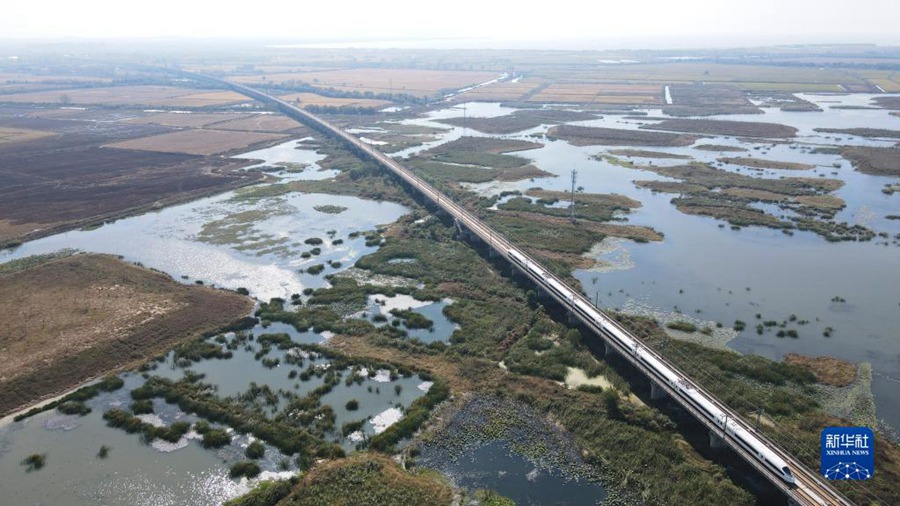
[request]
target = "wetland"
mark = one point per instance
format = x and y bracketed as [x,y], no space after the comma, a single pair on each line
[375,331]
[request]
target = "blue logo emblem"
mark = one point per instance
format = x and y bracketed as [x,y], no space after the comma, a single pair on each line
[848,453]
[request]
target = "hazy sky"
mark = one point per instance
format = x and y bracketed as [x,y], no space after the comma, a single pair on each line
[752,21]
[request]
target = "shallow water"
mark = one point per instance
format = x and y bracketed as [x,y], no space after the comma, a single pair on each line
[715,265]
[442,329]
[182,473]
[492,466]
[264,259]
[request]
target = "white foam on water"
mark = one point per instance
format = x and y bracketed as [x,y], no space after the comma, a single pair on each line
[385,419]
[167,447]
[152,419]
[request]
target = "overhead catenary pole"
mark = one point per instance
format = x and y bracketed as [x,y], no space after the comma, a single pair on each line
[574,178]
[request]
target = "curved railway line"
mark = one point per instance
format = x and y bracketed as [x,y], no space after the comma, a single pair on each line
[808,488]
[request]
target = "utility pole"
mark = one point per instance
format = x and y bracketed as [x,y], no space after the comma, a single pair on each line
[465,121]
[574,178]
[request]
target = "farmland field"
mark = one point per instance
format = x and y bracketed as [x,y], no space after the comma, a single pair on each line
[502,91]
[8,135]
[420,83]
[640,94]
[308,99]
[161,96]
[197,142]
[67,180]
[261,123]
[193,120]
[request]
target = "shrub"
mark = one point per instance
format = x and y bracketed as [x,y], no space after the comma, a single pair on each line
[315,269]
[215,438]
[352,405]
[248,469]
[73,408]
[35,461]
[104,452]
[313,241]
[683,326]
[412,319]
[201,427]
[142,407]
[255,450]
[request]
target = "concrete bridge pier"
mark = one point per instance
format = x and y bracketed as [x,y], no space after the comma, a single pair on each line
[608,349]
[461,231]
[656,391]
[715,440]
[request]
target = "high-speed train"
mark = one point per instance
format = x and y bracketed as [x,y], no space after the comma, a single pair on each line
[697,399]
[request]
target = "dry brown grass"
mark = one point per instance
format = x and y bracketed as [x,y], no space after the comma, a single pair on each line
[193,120]
[604,199]
[408,81]
[29,78]
[874,161]
[721,127]
[208,99]
[9,229]
[825,202]
[888,85]
[828,370]
[109,95]
[822,201]
[197,142]
[639,94]
[758,163]
[369,478]
[8,134]
[505,91]
[260,123]
[163,96]
[75,318]
[595,136]
[752,194]
[313,99]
